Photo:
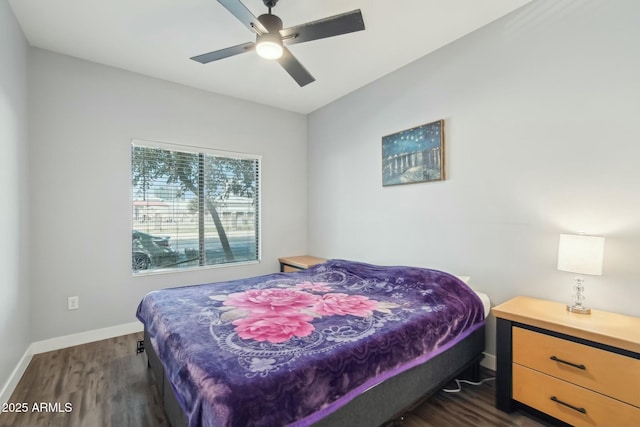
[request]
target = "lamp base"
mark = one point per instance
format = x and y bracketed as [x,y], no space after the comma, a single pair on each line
[580,309]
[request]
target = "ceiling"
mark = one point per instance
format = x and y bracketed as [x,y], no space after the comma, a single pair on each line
[157,38]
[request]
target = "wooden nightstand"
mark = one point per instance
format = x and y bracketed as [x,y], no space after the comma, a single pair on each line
[297,263]
[577,368]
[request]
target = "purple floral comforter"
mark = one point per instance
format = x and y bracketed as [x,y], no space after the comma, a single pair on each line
[290,348]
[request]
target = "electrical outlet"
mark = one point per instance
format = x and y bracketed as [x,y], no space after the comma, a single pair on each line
[73,303]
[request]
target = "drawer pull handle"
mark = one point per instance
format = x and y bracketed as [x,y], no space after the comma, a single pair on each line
[555,359]
[568,405]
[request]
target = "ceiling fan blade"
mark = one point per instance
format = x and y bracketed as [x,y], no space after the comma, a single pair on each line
[243,14]
[205,58]
[344,23]
[295,68]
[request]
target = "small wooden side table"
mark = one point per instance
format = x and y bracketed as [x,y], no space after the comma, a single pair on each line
[297,263]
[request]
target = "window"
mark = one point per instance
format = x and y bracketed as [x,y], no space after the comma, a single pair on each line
[193,207]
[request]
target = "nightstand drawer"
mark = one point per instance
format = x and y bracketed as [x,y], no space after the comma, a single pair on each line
[608,373]
[538,391]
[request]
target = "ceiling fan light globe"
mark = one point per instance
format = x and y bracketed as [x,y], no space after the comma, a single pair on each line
[269,45]
[269,49]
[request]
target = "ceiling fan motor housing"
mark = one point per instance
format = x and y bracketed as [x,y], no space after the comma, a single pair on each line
[272,23]
[269,45]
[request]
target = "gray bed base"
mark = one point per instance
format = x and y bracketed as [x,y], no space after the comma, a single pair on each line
[378,405]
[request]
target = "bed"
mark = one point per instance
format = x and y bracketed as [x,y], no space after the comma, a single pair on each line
[340,344]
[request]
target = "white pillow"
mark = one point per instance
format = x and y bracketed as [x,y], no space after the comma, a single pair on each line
[465,279]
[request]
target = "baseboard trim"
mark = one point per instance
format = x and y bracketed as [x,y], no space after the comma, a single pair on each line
[59,343]
[86,337]
[489,361]
[14,378]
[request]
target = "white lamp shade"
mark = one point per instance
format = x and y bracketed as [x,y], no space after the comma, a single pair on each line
[581,254]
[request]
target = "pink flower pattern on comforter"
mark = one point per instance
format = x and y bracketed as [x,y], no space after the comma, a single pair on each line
[274,327]
[277,315]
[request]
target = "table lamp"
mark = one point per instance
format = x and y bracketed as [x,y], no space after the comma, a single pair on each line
[583,255]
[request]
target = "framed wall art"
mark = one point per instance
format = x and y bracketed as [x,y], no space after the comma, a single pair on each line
[414,155]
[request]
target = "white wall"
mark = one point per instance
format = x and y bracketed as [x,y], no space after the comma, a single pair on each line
[541,115]
[82,118]
[14,233]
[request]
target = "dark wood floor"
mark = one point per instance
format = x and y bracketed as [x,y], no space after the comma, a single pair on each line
[107,384]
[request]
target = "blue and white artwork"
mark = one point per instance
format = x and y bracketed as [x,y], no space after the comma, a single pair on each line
[414,155]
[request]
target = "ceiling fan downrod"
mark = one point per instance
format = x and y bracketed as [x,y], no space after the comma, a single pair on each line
[270,4]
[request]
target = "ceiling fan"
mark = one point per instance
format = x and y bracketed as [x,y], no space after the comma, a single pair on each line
[270,36]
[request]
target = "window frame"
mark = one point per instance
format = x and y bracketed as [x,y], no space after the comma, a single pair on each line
[206,151]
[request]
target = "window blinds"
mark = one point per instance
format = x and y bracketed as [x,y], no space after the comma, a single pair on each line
[193,207]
